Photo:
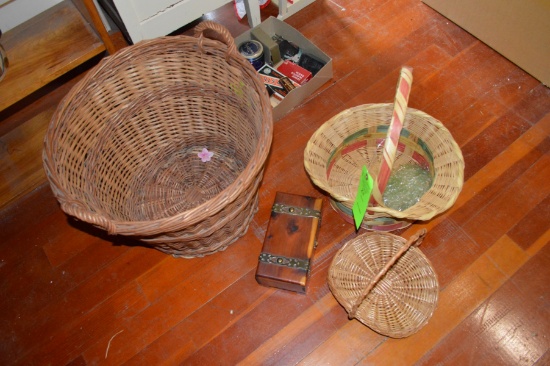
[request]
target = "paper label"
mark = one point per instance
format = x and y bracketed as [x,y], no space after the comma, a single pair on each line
[363,196]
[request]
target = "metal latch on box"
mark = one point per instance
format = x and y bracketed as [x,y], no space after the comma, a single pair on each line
[284,261]
[297,211]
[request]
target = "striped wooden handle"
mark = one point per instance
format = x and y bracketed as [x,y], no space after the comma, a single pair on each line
[398,116]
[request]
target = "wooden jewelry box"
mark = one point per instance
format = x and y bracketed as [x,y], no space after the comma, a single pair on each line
[289,242]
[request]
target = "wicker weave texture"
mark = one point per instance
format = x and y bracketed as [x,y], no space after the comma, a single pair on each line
[121,151]
[355,137]
[402,301]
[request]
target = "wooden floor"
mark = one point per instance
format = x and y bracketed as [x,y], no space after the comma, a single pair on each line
[73,295]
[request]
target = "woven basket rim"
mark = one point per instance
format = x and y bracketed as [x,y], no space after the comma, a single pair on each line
[414,251]
[322,183]
[183,219]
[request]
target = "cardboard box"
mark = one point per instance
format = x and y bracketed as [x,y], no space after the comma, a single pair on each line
[518,30]
[272,26]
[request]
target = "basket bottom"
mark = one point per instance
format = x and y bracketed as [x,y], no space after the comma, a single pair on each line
[209,237]
[184,182]
[230,233]
[382,224]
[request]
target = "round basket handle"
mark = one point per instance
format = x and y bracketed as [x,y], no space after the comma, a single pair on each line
[415,240]
[77,210]
[218,32]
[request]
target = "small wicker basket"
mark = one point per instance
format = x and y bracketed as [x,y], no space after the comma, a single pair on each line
[355,137]
[384,283]
[122,151]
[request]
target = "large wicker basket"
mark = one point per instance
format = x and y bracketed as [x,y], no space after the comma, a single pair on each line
[122,149]
[355,137]
[385,283]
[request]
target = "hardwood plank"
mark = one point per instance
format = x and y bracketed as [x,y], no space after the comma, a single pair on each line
[224,310]
[493,171]
[485,146]
[44,48]
[221,312]
[340,44]
[448,35]
[536,103]
[82,299]
[22,131]
[320,21]
[502,177]
[532,226]
[512,205]
[544,360]
[74,295]
[351,343]
[252,330]
[479,117]
[292,343]
[176,304]
[509,326]
[482,278]
[383,90]
[448,240]
[74,334]
[21,165]
[539,243]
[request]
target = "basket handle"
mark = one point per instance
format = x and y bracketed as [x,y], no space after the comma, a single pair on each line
[76,209]
[218,32]
[389,151]
[415,240]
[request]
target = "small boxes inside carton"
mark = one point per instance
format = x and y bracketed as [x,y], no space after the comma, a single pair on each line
[295,72]
[269,33]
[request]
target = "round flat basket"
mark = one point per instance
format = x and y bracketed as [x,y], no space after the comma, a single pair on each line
[337,151]
[384,283]
[164,141]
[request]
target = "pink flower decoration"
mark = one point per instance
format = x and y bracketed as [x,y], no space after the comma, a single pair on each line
[205,155]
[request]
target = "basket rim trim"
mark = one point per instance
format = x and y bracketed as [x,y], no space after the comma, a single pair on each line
[189,217]
[405,214]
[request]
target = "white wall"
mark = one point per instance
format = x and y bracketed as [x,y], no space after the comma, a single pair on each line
[13,13]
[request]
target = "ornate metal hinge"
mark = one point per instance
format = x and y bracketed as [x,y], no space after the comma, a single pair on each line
[296,211]
[284,261]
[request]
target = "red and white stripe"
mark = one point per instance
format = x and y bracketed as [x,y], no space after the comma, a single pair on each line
[399,111]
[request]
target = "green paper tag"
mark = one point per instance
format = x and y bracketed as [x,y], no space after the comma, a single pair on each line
[363,196]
